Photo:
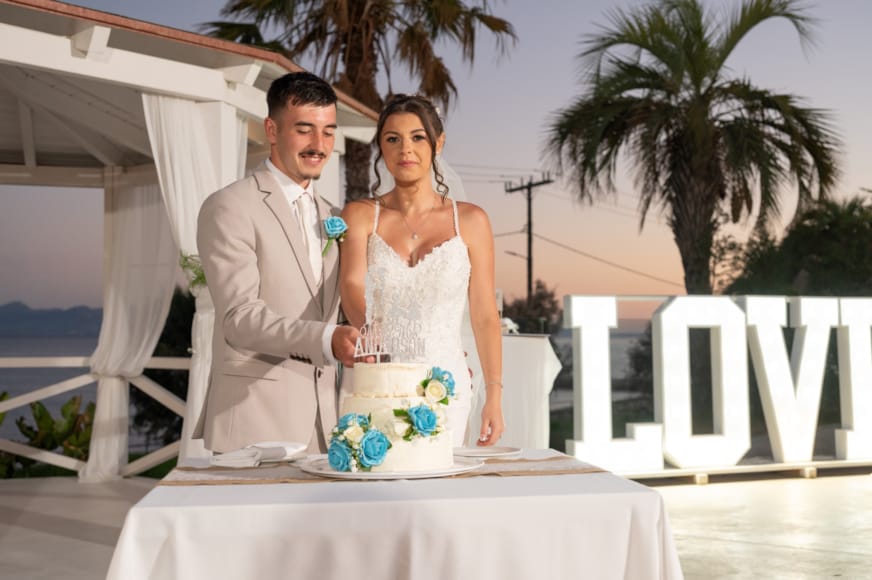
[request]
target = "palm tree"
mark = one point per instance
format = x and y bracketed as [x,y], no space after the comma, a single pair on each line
[352,42]
[703,142]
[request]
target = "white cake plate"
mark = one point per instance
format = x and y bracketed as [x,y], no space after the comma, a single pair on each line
[484,452]
[319,465]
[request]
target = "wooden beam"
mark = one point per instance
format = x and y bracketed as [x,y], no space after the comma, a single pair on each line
[70,177]
[244,74]
[40,455]
[91,41]
[153,459]
[28,147]
[27,48]
[51,176]
[98,146]
[66,101]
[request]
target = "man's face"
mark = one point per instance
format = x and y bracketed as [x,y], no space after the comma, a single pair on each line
[301,140]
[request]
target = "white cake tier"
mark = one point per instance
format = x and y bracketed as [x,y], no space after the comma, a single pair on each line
[388,379]
[419,454]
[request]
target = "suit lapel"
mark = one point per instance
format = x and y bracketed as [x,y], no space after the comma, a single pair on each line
[329,289]
[276,201]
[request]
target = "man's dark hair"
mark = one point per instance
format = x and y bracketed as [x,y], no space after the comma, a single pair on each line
[299,88]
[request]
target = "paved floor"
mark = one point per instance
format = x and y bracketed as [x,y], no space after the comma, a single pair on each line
[55,528]
[775,528]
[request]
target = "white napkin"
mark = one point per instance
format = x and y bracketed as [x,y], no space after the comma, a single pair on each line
[254,455]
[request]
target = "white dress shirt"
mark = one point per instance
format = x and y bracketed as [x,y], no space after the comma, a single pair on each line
[292,191]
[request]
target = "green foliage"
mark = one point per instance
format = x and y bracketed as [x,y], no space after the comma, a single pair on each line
[703,141]
[71,432]
[150,417]
[353,42]
[824,253]
[542,315]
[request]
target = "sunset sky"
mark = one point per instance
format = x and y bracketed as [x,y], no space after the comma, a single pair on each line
[495,133]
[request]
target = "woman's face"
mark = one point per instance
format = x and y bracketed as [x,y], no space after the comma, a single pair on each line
[406,149]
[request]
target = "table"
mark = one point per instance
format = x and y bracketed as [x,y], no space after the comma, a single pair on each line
[591,525]
[530,367]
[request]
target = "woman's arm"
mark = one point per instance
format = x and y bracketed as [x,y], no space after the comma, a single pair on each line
[478,236]
[359,216]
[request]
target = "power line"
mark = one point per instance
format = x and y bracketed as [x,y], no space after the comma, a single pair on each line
[497,167]
[520,231]
[607,262]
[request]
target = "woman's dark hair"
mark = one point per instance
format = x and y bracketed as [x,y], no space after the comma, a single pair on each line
[299,88]
[424,110]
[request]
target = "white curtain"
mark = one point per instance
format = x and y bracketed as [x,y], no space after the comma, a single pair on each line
[197,149]
[138,285]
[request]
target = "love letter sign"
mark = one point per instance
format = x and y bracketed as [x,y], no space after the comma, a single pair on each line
[790,383]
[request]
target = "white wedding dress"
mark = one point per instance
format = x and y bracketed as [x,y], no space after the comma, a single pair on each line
[430,295]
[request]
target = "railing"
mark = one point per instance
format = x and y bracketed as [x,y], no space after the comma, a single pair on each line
[146,385]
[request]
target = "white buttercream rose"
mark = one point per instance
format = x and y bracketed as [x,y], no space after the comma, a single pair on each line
[435,391]
[384,421]
[354,434]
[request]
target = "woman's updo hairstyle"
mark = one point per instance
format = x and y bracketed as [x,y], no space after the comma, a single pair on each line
[423,108]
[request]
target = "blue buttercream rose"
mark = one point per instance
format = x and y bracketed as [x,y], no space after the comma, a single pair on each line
[444,377]
[373,448]
[349,419]
[423,419]
[339,455]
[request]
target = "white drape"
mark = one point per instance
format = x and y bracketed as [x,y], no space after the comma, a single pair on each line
[196,151]
[136,298]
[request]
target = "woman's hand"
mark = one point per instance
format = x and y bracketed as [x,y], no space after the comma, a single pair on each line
[492,425]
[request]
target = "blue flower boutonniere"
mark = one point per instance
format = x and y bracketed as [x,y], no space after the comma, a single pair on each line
[335,227]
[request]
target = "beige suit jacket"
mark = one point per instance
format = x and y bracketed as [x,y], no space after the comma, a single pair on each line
[269,379]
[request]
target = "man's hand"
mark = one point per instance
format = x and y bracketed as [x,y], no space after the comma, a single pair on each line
[342,342]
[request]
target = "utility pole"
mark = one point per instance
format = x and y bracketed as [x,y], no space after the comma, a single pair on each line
[545,180]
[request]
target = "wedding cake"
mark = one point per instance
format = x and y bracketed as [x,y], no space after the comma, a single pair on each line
[394,420]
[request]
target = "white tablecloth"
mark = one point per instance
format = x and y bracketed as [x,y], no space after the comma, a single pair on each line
[530,367]
[596,525]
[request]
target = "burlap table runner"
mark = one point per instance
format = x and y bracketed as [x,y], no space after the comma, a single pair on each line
[272,473]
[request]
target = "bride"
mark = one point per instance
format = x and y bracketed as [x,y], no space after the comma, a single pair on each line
[416,254]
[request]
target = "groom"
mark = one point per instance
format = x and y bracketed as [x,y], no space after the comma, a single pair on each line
[260,240]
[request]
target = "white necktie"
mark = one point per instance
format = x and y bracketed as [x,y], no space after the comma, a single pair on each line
[311,235]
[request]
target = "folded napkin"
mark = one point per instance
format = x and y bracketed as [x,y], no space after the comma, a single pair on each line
[254,455]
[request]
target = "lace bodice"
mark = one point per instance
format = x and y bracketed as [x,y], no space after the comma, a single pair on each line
[431,295]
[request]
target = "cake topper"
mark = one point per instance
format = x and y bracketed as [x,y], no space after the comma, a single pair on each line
[396,343]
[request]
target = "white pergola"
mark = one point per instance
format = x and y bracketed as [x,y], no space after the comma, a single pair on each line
[159,118]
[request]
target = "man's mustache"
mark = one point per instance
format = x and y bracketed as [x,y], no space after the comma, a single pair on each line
[314,152]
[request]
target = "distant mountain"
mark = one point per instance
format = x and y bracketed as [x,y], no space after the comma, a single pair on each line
[17,320]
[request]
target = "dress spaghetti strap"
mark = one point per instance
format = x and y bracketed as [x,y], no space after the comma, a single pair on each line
[456,220]
[375,221]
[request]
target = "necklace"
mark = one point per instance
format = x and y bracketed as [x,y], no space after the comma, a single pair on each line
[421,220]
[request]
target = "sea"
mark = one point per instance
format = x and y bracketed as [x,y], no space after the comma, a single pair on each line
[620,344]
[19,381]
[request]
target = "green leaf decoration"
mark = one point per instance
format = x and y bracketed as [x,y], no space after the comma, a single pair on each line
[190,263]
